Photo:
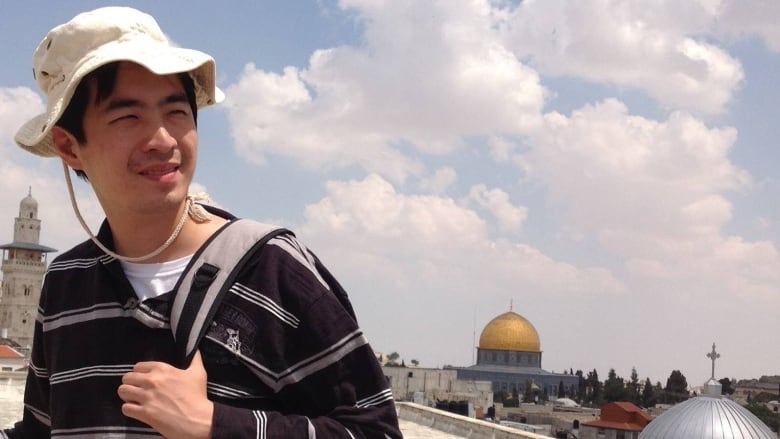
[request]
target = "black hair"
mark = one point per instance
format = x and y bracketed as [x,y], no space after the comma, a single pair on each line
[104,78]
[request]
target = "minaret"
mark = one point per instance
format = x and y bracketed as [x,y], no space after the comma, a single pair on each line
[23,267]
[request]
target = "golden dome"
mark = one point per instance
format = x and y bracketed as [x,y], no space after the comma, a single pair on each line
[510,332]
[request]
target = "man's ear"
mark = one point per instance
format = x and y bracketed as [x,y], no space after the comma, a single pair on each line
[67,146]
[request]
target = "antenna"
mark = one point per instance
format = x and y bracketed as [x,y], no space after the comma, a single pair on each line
[474,339]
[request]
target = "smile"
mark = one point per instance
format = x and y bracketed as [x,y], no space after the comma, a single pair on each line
[154,171]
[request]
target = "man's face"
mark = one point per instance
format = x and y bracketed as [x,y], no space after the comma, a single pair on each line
[141,143]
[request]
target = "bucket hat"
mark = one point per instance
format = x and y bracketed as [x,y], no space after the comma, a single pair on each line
[92,39]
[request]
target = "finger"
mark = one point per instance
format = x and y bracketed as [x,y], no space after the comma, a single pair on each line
[148,366]
[135,411]
[134,378]
[130,393]
[197,363]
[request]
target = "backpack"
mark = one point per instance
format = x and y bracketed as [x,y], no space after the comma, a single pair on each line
[209,276]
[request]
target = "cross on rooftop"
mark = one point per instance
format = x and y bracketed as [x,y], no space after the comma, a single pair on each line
[714,356]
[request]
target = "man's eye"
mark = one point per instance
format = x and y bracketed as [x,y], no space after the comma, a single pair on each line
[124,117]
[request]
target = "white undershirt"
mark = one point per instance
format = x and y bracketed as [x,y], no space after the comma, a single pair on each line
[153,280]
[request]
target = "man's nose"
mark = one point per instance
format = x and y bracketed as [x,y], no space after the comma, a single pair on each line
[161,139]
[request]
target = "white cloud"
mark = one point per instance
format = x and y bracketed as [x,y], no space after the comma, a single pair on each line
[609,167]
[428,75]
[501,149]
[17,105]
[652,194]
[439,182]
[430,241]
[496,201]
[750,17]
[630,45]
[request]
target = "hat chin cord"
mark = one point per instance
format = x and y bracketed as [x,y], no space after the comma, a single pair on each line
[191,209]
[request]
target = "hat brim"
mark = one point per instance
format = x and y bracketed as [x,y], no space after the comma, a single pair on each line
[161,59]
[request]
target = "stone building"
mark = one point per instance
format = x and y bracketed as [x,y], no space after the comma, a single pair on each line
[24,264]
[509,355]
[617,420]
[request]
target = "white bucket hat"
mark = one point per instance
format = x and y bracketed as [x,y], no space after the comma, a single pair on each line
[92,39]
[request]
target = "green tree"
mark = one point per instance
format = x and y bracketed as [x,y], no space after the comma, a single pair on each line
[614,388]
[593,388]
[414,362]
[561,390]
[648,394]
[392,359]
[676,389]
[528,393]
[632,388]
[580,387]
[512,400]
[768,417]
[726,386]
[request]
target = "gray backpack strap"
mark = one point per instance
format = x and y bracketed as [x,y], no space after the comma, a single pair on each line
[209,276]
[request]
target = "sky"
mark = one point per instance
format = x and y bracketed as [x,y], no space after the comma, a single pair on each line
[607,168]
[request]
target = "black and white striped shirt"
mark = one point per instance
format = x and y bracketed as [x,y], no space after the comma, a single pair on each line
[284,354]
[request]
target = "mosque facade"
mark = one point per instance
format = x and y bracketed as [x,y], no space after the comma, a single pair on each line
[24,263]
[509,356]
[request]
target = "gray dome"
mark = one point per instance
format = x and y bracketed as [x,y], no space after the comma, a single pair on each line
[707,417]
[29,202]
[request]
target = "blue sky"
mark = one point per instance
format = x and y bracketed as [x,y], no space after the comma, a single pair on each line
[609,167]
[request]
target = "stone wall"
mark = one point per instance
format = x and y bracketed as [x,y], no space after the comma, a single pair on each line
[459,425]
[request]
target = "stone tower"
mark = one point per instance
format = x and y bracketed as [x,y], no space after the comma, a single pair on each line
[23,267]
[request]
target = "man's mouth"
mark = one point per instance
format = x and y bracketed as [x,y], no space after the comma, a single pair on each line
[157,170]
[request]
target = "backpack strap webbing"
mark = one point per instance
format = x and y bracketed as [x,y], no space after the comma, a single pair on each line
[209,276]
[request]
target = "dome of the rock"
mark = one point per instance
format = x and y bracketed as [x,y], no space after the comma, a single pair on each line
[510,332]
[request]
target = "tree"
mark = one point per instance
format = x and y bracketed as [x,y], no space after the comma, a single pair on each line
[676,389]
[768,417]
[528,393]
[593,388]
[561,390]
[726,386]
[414,362]
[632,388]
[648,395]
[514,399]
[392,359]
[580,387]
[614,388]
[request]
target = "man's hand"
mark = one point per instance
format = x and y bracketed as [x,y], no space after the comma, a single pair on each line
[172,401]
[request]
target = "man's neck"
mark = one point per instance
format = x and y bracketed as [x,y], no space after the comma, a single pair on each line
[135,237]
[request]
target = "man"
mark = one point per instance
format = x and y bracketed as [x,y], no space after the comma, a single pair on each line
[283,357]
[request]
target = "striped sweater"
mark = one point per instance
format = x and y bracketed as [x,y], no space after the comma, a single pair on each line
[284,355]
